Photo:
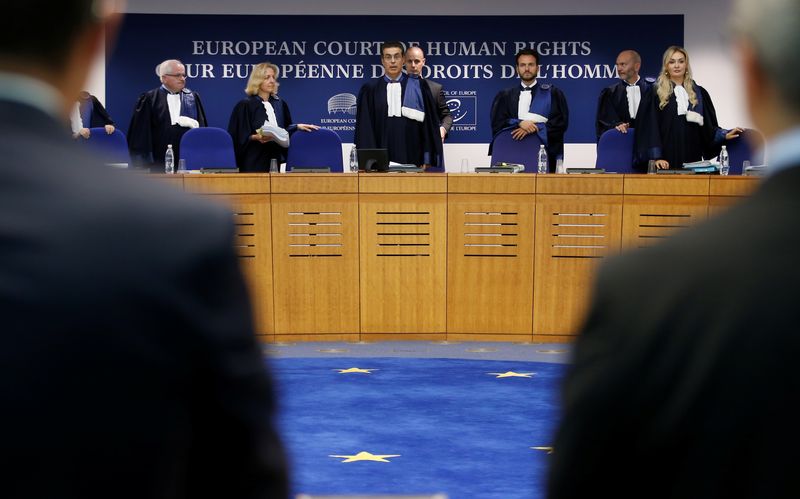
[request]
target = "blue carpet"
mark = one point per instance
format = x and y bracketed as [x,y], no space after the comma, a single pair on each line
[453,427]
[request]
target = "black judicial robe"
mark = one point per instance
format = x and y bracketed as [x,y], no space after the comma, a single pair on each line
[151,130]
[248,116]
[612,106]
[505,112]
[408,141]
[663,134]
[93,113]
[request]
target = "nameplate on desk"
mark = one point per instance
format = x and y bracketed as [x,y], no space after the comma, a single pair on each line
[404,169]
[585,170]
[495,169]
[219,170]
[675,172]
[311,169]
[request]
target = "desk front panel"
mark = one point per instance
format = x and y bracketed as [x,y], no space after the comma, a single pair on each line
[252,226]
[403,264]
[315,259]
[647,220]
[573,234]
[490,265]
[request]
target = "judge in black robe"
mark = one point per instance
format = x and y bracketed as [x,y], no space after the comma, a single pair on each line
[247,118]
[408,140]
[90,113]
[505,115]
[254,150]
[151,129]
[612,106]
[672,139]
[664,134]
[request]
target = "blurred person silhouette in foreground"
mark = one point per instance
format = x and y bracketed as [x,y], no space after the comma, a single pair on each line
[684,378]
[128,367]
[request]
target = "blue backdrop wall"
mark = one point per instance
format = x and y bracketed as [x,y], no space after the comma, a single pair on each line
[324,60]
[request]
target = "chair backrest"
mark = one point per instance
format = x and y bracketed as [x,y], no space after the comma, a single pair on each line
[748,146]
[321,147]
[508,150]
[615,151]
[207,147]
[111,148]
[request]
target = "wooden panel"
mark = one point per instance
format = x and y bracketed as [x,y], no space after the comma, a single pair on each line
[403,263]
[579,184]
[227,183]
[521,183]
[517,338]
[573,234]
[289,338]
[650,219]
[314,183]
[733,185]
[402,182]
[315,257]
[490,264]
[176,181]
[667,185]
[253,246]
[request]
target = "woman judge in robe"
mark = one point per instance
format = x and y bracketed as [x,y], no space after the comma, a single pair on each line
[255,150]
[678,123]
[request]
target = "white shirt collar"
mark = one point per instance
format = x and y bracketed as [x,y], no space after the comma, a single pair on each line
[30,91]
[784,151]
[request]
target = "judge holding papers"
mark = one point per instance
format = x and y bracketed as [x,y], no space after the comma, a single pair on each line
[532,107]
[677,121]
[399,113]
[260,124]
[162,116]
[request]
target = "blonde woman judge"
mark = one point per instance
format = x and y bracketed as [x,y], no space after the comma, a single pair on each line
[678,123]
[262,109]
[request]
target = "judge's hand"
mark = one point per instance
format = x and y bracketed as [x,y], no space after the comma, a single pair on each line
[623,127]
[307,128]
[257,137]
[735,132]
[442,132]
[110,129]
[662,164]
[518,134]
[529,126]
[85,133]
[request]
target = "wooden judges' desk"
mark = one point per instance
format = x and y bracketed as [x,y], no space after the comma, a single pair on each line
[435,256]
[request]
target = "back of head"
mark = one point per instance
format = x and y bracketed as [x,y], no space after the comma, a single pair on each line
[61,22]
[772,27]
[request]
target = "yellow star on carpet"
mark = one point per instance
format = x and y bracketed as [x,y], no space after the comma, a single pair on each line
[355,370]
[548,449]
[512,374]
[366,456]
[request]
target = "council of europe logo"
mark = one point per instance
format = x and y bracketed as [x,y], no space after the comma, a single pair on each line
[463,109]
[342,103]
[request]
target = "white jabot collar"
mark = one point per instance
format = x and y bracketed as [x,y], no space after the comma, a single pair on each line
[682,98]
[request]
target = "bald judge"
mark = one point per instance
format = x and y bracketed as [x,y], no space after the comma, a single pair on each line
[162,116]
[398,112]
[619,104]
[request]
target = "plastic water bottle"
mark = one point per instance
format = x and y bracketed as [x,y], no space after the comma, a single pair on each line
[542,163]
[169,160]
[724,161]
[353,160]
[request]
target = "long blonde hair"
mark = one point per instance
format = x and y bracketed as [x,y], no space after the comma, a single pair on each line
[665,87]
[257,77]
